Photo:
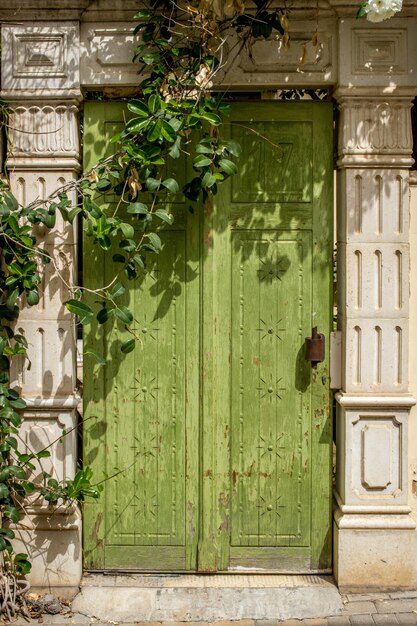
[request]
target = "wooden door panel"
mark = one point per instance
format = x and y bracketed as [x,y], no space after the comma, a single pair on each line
[270,451]
[141,408]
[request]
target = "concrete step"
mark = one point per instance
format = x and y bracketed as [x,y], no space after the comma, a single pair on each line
[206,598]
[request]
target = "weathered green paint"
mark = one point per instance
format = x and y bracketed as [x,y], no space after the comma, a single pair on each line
[221,428]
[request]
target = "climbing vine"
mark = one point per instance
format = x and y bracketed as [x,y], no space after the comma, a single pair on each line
[183,49]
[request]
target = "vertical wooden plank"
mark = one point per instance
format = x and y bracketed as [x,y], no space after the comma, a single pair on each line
[322,307]
[94,421]
[147,401]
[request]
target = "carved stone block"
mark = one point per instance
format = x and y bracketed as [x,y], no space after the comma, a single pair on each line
[106,54]
[376,281]
[371,445]
[271,64]
[44,426]
[42,56]
[373,205]
[376,358]
[52,347]
[375,127]
[377,54]
[39,129]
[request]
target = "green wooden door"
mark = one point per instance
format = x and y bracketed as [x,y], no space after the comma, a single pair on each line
[217,428]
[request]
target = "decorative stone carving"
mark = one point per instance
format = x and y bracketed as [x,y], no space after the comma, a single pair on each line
[42,428]
[373,205]
[375,127]
[52,349]
[44,129]
[371,437]
[377,55]
[43,57]
[107,51]
[270,64]
[106,54]
[383,51]
[376,358]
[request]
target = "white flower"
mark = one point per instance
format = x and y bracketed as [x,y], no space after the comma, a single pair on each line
[380,10]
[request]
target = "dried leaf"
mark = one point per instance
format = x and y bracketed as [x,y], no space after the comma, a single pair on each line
[285,40]
[304,55]
[284,22]
[93,176]
[134,184]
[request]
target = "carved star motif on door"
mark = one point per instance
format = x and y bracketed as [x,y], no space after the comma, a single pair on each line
[267,447]
[146,330]
[269,329]
[270,505]
[271,269]
[145,389]
[270,389]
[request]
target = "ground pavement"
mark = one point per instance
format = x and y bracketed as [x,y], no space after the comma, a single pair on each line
[377,609]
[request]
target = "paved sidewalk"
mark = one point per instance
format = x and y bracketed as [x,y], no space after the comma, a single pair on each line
[377,609]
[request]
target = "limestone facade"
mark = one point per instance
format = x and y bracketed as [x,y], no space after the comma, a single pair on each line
[371,72]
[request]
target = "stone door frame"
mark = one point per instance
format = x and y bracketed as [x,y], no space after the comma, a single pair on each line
[370,71]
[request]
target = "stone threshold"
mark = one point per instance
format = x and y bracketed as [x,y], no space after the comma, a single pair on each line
[206,597]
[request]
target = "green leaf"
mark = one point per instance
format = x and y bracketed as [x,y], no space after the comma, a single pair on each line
[208,180]
[143,15]
[13,296]
[154,103]
[32,297]
[201,161]
[164,216]
[136,125]
[138,259]
[155,241]
[228,166]
[127,230]
[22,565]
[43,454]
[10,201]
[150,57]
[4,544]
[19,403]
[27,241]
[128,346]
[167,131]
[137,208]
[155,131]
[211,117]
[174,151]
[127,244]
[118,258]
[4,490]
[123,313]
[104,314]
[81,310]
[204,148]
[138,108]
[153,184]
[96,356]
[103,185]
[117,290]
[73,213]
[233,147]
[171,184]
